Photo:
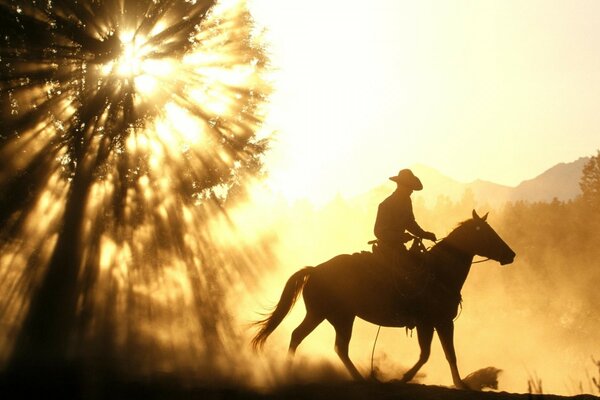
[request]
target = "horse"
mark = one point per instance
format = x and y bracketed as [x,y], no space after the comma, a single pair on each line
[343,288]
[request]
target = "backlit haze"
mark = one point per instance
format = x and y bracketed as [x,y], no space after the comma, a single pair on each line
[496,90]
[493,90]
[131,177]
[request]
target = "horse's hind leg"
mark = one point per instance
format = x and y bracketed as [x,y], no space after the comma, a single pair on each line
[425,336]
[310,322]
[343,333]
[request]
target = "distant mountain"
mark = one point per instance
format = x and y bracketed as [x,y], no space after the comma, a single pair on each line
[561,182]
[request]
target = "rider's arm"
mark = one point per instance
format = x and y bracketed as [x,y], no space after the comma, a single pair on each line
[415,229]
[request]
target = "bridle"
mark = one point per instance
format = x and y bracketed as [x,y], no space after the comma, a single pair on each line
[439,240]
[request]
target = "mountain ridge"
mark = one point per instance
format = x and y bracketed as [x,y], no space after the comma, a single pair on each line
[560,182]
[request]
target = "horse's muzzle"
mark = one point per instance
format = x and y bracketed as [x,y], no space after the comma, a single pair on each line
[508,259]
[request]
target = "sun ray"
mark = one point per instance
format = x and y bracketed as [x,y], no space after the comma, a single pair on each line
[125,125]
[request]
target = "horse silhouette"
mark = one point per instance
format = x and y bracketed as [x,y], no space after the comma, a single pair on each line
[344,287]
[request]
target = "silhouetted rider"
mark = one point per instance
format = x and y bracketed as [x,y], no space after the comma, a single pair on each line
[395,217]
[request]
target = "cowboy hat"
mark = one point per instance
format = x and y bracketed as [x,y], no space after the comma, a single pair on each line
[407,179]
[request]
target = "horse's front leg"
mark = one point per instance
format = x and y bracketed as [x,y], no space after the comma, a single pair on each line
[446,334]
[425,335]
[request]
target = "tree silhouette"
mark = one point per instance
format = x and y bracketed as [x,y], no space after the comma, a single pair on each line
[125,123]
[590,182]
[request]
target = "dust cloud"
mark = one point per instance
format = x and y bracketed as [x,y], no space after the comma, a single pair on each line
[535,319]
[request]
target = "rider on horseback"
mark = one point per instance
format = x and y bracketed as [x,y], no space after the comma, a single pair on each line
[395,225]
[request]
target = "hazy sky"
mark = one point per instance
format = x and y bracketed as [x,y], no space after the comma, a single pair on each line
[498,90]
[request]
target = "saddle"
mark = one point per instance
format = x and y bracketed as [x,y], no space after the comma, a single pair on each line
[407,267]
[417,253]
[407,270]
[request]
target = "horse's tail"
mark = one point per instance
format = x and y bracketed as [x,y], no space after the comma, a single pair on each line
[290,293]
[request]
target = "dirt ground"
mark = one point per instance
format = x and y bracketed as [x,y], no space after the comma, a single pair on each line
[66,387]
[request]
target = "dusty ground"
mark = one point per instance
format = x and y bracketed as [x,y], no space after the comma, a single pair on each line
[171,389]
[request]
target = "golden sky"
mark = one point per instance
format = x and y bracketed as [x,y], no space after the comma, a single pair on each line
[497,90]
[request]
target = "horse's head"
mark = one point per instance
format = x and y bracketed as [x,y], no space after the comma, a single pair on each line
[483,240]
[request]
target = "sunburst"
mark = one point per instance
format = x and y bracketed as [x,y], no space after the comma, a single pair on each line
[125,125]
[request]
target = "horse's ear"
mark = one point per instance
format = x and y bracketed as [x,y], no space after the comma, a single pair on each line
[477,217]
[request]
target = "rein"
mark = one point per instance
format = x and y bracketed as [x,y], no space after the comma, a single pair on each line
[472,262]
[373,352]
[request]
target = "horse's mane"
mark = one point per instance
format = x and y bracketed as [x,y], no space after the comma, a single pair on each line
[454,231]
[460,225]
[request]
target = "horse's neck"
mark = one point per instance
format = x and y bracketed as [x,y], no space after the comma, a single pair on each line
[452,263]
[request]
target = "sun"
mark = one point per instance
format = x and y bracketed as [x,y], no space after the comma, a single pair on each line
[133,54]
[138,64]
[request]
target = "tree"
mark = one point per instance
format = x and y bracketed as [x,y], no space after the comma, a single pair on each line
[590,182]
[136,118]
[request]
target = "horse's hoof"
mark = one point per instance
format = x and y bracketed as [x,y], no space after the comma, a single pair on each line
[461,385]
